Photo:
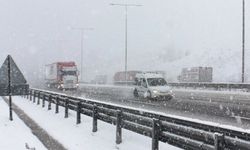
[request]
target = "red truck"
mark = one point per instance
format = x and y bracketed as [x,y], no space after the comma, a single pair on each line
[62,75]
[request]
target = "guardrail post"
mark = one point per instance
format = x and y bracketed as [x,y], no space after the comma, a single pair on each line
[229,87]
[43,104]
[57,105]
[38,98]
[119,127]
[156,130]
[217,88]
[27,96]
[66,105]
[78,113]
[247,88]
[50,99]
[30,94]
[34,96]
[219,143]
[23,95]
[95,117]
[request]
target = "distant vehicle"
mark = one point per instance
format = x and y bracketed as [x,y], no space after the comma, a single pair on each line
[152,86]
[119,77]
[196,74]
[62,75]
[100,79]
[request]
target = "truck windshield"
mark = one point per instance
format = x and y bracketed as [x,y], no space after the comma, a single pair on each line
[72,73]
[156,82]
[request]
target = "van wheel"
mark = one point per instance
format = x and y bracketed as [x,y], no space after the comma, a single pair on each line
[168,98]
[136,93]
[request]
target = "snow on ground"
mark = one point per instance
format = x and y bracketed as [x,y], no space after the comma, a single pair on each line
[78,137]
[15,134]
[209,91]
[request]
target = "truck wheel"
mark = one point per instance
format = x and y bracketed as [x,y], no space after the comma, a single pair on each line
[136,93]
[168,98]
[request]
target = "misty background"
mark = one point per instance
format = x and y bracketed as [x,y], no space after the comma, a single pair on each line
[162,35]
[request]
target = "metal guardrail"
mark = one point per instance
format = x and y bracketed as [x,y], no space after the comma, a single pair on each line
[178,132]
[216,86]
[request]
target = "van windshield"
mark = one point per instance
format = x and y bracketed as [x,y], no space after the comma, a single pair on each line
[156,82]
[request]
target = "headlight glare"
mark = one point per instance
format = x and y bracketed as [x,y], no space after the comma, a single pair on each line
[155,91]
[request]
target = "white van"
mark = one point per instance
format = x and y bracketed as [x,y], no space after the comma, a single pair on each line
[152,86]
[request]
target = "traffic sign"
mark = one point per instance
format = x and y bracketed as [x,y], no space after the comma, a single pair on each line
[11,76]
[12,81]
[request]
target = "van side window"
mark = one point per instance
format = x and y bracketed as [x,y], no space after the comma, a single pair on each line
[144,84]
[139,82]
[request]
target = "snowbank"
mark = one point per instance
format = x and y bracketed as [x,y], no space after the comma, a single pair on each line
[15,135]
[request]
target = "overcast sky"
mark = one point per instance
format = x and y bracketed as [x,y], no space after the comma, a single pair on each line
[38,32]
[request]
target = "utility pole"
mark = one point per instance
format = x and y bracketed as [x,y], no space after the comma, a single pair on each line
[243,42]
[82,38]
[126,32]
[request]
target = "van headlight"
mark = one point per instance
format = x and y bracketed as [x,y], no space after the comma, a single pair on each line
[155,91]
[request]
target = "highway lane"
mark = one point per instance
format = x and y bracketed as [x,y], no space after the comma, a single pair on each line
[234,97]
[217,106]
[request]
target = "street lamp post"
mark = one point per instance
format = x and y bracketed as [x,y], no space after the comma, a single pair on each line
[126,33]
[82,38]
[243,42]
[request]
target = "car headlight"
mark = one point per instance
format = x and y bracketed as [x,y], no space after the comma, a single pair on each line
[155,91]
[62,85]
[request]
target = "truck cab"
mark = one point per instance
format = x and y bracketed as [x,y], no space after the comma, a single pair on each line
[152,86]
[69,78]
[62,75]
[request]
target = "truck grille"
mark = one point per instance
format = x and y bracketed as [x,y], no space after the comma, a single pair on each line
[69,82]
